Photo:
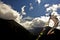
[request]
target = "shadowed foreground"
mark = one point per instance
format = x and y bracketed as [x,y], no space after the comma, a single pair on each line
[54,36]
[10,29]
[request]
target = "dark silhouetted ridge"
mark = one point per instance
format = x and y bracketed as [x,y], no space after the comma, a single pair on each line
[11,29]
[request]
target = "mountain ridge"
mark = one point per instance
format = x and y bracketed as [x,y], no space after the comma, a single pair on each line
[11,28]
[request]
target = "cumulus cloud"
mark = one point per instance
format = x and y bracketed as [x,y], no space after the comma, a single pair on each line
[46,5]
[38,1]
[54,7]
[26,24]
[34,26]
[36,22]
[6,12]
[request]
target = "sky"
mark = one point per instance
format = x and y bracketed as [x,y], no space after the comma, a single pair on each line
[31,14]
[37,9]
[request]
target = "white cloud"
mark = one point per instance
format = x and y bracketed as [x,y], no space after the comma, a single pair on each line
[23,10]
[27,25]
[53,9]
[33,25]
[38,1]
[46,5]
[31,7]
[28,18]
[44,18]
[37,22]
[6,12]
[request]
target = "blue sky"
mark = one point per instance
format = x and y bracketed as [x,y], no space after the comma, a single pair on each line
[38,9]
